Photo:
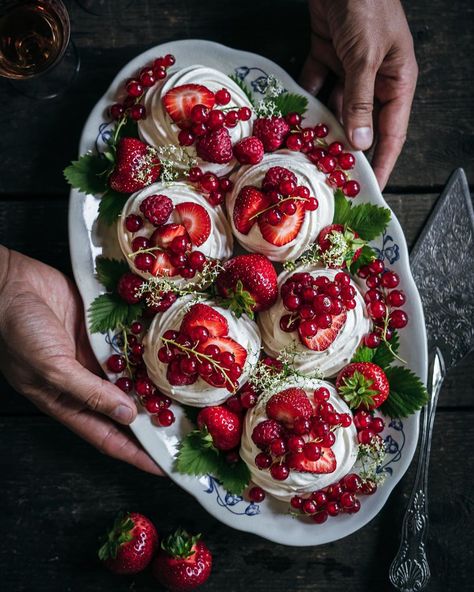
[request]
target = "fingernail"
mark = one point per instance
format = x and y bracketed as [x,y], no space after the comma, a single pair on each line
[362,138]
[122,413]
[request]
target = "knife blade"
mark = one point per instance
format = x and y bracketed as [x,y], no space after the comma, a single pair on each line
[442,263]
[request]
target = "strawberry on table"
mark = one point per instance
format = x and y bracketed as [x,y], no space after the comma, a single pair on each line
[289,404]
[195,220]
[224,426]
[327,463]
[202,315]
[130,545]
[180,100]
[249,282]
[363,384]
[215,146]
[286,230]
[137,165]
[183,562]
[249,203]
[324,337]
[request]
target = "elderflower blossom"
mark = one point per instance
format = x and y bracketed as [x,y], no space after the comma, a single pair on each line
[172,159]
[371,457]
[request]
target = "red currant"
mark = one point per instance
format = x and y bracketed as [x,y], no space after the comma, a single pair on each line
[124,383]
[263,460]
[351,188]
[398,319]
[279,471]
[396,298]
[321,130]
[134,88]
[390,280]
[116,363]
[256,494]
[165,417]
[346,161]
[222,96]
[133,223]
[116,111]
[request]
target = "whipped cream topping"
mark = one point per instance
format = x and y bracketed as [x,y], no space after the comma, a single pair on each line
[300,483]
[307,175]
[341,350]
[158,129]
[200,394]
[217,246]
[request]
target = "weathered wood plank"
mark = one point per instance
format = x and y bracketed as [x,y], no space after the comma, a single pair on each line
[442,123]
[59,494]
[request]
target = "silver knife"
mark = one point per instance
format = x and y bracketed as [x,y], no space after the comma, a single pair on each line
[442,264]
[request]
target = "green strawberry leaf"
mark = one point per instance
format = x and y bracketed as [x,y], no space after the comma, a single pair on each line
[88,174]
[109,271]
[342,207]
[239,301]
[108,312]
[368,220]
[367,254]
[111,206]
[243,87]
[407,393]
[363,354]
[383,357]
[290,103]
[195,457]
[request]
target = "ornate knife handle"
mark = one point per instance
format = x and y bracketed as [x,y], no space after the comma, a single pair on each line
[410,571]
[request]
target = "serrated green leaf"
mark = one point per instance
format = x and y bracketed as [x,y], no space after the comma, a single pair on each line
[342,207]
[107,312]
[363,354]
[88,174]
[111,205]
[383,356]
[109,271]
[243,87]
[234,477]
[407,393]
[290,103]
[368,220]
[367,254]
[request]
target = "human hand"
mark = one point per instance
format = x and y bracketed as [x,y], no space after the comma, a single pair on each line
[368,45]
[46,356]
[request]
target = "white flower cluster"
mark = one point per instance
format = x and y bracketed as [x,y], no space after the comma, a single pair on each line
[172,159]
[371,457]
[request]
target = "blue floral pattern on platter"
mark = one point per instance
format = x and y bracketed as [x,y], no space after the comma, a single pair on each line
[394,441]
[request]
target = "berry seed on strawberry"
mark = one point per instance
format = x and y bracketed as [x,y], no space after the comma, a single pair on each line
[363,384]
[137,165]
[202,315]
[288,405]
[249,203]
[282,231]
[224,426]
[180,100]
[249,150]
[196,221]
[156,208]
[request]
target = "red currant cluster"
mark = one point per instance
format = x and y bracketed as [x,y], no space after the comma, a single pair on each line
[313,302]
[196,355]
[383,301]
[136,88]
[131,362]
[331,159]
[245,399]
[204,119]
[305,444]
[286,198]
[340,497]
[213,187]
[368,427]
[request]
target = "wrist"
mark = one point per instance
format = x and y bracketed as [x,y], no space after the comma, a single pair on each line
[5,256]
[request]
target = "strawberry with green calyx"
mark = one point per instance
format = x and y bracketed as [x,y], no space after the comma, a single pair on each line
[339,246]
[221,427]
[137,165]
[183,563]
[363,384]
[249,284]
[129,547]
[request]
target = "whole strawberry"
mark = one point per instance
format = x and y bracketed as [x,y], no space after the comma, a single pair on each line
[249,282]
[249,150]
[272,131]
[224,426]
[363,384]
[215,146]
[339,246]
[183,563]
[137,165]
[130,545]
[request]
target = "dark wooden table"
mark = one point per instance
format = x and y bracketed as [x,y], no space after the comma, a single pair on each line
[58,493]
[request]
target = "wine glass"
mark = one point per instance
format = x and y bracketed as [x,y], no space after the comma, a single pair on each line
[36,53]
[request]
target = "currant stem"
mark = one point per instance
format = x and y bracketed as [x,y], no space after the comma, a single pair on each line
[293,198]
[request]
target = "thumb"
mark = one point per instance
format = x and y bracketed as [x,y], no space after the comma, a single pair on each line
[358,106]
[93,392]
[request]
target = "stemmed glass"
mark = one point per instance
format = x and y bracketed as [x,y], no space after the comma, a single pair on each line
[36,53]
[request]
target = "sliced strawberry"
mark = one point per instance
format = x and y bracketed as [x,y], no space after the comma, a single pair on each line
[202,315]
[286,230]
[196,221]
[180,100]
[162,265]
[250,202]
[163,235]
[324,337]
[297,461]
[289,404]
[226,344]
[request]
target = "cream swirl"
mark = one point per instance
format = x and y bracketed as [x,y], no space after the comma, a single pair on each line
[299,483]
[199,394]
[307,175]
[158,129]
[341,350]
[217,246]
